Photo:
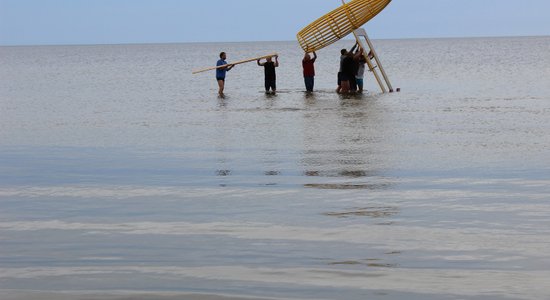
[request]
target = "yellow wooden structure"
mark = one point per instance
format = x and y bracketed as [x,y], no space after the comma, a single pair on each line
[339,23]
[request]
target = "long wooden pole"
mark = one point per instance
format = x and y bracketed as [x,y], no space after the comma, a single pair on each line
[234,63]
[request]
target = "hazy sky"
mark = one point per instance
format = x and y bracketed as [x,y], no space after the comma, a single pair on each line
[24,22]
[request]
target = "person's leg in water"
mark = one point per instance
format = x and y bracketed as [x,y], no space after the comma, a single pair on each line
[274,86]
[359,84]
[221,86]
[339,88]
[309,81]
[345,86]
[270,85]
[352,84]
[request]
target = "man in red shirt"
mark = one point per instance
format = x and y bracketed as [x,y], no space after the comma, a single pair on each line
[309,70]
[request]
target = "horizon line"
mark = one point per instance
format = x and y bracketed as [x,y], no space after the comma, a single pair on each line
[262,41]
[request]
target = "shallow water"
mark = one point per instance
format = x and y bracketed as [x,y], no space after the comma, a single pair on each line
[122,173]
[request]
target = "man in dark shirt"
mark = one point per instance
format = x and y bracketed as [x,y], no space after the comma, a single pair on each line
[269,71]
[309,71]
[350,66]
[343,81]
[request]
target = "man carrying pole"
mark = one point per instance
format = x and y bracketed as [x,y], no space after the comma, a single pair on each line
[270,75]
[220,72]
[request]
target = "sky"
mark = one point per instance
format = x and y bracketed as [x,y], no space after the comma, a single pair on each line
[50,22]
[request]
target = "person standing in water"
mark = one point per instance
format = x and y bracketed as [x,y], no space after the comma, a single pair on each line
[269,71]
[360,73]
[359,77]
[220,72]
[343,81]
[309,71]
[361,70]
[350,66]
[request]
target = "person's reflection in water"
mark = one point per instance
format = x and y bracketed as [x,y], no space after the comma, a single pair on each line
[343,145]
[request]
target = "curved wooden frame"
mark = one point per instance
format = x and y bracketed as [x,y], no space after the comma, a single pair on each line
[339,23]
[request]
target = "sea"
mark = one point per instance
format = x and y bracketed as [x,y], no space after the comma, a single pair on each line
[125,176]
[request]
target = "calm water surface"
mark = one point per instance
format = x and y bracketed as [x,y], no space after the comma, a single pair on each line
[122,174]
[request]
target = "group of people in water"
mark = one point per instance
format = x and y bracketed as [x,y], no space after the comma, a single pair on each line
[350,74]
[352,70]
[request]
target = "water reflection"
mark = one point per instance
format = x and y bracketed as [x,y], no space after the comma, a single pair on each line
[221,101]
[340,139]
[344,141]
[369,262]
[223,172]
[372,212]
[344,186]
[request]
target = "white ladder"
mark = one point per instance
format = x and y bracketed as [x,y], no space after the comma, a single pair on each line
[365,43]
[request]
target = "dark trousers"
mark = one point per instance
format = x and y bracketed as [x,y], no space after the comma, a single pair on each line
[309,81]
[270,83]
[352,83]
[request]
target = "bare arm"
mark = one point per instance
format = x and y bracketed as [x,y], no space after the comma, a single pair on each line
[353,48]
[276,61]
[358,54]
[314,55]
[260,64]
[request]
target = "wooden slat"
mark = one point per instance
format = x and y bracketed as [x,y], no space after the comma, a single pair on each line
[234,63]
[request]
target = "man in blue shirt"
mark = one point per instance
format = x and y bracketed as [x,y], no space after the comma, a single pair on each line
[220,72]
